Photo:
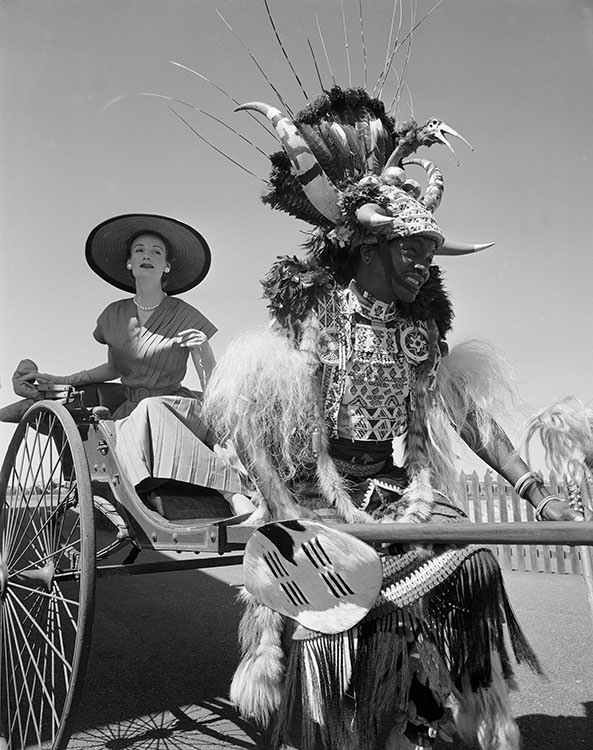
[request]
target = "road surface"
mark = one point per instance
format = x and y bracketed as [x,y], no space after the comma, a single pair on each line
[164,649]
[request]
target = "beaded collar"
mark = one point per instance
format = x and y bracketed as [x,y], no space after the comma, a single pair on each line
[370,307]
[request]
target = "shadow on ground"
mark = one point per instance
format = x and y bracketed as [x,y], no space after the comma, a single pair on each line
[163,652]
[544,732]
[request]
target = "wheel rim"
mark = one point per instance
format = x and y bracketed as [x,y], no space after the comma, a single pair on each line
[46,577]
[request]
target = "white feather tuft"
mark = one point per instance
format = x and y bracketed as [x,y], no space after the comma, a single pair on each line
[566,432]
[262,397]
[419,498]
[485,714]
[257,683]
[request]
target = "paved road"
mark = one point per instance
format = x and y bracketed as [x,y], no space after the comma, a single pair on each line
[164,648]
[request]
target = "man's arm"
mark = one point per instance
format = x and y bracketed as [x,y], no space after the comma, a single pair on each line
[500,454]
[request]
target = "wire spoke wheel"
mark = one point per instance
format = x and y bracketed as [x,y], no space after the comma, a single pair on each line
[47,578]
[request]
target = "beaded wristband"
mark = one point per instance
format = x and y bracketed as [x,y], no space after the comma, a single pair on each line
[574,497]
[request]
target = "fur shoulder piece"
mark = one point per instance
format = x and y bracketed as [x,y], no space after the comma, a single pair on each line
[292,287]
[433,302]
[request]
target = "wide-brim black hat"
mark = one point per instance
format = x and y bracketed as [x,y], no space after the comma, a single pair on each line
[107,247]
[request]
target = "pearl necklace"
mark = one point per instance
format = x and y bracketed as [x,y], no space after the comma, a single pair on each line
[147,309]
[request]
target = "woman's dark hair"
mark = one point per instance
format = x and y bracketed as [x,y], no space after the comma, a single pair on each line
[169,252]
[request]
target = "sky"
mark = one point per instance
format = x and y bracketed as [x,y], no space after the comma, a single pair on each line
[80,141]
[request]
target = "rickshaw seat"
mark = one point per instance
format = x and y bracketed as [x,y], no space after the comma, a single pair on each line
[177,501]
[110,395]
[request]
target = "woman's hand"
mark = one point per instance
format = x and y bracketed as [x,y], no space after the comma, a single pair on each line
[23,379]
[191,339]
[45,378]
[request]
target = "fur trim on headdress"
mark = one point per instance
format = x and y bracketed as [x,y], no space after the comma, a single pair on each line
[293,285]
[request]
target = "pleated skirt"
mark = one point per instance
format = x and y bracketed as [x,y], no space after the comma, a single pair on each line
[165,438]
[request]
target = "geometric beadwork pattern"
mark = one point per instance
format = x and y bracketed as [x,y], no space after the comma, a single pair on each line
[369,355]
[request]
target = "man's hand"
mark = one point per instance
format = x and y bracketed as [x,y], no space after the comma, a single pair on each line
[560,510]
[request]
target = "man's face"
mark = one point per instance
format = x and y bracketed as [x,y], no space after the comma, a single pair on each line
[406,262]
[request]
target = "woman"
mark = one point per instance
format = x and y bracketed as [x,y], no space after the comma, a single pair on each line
[150,336]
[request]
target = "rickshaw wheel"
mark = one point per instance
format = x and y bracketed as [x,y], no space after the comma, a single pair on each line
[47,578]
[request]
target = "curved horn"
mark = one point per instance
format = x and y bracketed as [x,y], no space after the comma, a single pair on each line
[461,248]
[369,215]
[317,186]
[434,186]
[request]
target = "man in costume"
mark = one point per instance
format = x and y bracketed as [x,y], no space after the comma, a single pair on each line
[357,357]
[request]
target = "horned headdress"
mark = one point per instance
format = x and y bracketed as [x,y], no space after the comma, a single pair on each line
[343,170]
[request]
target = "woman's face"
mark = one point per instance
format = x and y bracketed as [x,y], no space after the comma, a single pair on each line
[148,257]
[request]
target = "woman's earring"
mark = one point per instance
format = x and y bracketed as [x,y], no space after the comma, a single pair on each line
[129,266]
[167,269]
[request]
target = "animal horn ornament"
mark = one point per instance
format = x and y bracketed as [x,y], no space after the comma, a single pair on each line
[462,248]
[317,186]
[435,185]
[370,215]
[431,201]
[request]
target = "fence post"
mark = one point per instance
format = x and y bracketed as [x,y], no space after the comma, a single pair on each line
[505,549]
[559,550]
[463,493]
[476,497]
[516,511]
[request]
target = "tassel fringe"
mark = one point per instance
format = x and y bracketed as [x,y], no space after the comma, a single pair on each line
[449,646]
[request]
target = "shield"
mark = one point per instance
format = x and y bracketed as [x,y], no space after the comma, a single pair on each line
[323,578]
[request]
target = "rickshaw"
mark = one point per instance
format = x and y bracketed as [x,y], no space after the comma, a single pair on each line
[61,478]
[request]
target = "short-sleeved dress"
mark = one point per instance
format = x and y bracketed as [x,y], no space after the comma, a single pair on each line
[159,430]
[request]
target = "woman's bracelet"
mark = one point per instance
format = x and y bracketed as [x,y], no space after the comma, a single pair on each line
[542,504]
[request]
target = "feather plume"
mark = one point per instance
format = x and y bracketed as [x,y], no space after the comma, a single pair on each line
[566,432]
[262,396]
[475,378]
[313,135]
[338,144]
[286,194]
[357,155]
[381,145]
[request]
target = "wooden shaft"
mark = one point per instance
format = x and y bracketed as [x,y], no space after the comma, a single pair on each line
[530,532]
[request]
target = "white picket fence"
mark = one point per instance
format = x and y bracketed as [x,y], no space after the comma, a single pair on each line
[495,500]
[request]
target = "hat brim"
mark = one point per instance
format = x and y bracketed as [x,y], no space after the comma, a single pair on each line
[107,246]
